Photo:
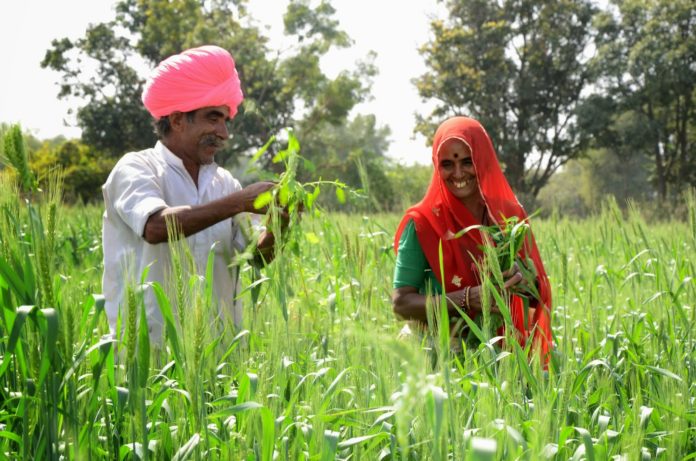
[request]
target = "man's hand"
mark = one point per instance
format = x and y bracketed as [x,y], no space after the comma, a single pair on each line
[251,192]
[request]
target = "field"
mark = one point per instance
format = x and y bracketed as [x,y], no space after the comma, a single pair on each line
[317,372]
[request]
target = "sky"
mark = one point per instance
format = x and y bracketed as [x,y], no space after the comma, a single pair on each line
[394,29]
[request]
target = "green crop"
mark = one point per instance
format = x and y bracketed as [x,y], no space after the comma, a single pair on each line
[318,371]
[290,193]
[505,245]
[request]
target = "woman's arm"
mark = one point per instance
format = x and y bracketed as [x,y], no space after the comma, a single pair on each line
[409,304]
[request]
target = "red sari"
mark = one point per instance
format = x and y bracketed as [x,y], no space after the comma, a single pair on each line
[440,215]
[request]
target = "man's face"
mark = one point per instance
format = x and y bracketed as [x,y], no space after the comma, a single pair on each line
[204,133]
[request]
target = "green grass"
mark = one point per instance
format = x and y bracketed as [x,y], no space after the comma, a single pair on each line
[317,371]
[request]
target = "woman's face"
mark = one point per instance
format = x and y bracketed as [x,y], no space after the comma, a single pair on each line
[457,169]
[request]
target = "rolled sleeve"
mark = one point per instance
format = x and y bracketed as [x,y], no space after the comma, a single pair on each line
[135,194]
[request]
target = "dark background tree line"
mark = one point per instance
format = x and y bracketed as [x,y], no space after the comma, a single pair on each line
[581,99]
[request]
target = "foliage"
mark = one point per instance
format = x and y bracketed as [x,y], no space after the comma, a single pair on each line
[504,248]
[84,169]
[331,380]
[15,153]
[409,183]
[519,67]
[645,62]
[605,174]
[31,142]
[113,119]
[584,184]
[562,193]
[353,153]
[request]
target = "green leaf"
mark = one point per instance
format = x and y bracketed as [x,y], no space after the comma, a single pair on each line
[468,229]
[330,445]
[263,199]
[12,436]
[309,165]
[284,195]
[143,349]
[280,156]
[340,195]
[242,407]
[253,285]
[664,372]
[18,322]
[332,387]
[210,265]
[311,198]
[15,281]
[47,319]
[188,449]
[165,308]
[645,413]
[587,442]
[312,238]
[267,434]
[357,440]
[523,363]
[483,449]
[261,151]
[581,378]
[293,142]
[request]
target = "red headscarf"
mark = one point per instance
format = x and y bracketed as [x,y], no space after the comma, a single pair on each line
[440,215]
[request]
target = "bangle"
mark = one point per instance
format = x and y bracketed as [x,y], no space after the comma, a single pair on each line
[464,301]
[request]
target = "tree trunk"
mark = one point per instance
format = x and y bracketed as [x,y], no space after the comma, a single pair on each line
[660,176]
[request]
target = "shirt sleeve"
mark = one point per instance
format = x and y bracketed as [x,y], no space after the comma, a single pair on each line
[411,264]
[135,193]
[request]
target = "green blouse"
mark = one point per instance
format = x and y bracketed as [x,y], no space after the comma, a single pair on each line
[412,268]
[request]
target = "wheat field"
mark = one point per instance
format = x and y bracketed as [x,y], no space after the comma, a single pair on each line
[317,372]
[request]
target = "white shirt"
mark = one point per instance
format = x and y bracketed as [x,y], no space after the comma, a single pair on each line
[140,184]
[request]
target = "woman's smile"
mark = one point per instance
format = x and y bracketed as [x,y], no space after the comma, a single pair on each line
[457,169]
[461,184]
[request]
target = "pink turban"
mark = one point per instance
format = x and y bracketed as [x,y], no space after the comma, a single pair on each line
[198,77]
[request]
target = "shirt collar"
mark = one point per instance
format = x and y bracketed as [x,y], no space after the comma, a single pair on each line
[205,172]
[169,156]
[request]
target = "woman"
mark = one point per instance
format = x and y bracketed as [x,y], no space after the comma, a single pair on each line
[467,188]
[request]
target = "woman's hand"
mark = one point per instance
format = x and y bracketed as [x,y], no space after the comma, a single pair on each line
[521,281]
[470,299]
[513,278]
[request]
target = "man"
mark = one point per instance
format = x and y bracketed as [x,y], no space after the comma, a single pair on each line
[191,97]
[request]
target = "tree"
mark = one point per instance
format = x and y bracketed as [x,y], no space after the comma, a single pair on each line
[409,183]
[519,67]
[646,60]
[113,119]
[353,153]
[84,169]
[563,194]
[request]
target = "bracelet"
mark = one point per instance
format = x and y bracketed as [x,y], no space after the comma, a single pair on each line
[464,301]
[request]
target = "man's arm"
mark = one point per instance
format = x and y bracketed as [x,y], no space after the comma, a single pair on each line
[192,219]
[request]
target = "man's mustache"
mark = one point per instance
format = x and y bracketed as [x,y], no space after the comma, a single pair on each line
[211,140]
